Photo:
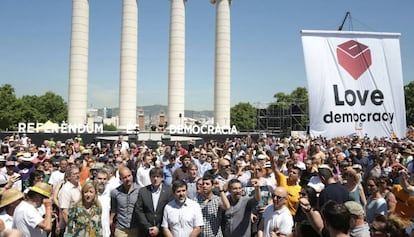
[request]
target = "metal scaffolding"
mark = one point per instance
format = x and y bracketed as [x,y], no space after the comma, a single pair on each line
[282,117]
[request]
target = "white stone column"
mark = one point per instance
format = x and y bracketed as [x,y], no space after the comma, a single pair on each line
[222,64]
[78,68]
[128,69]
[176,67]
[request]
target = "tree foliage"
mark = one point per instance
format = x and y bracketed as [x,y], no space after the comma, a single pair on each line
[29,108]
[295,103]
[409,102]
[243,116]
[109,127]
[7,108]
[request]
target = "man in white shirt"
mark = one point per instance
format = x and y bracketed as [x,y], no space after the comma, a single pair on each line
[69,194]
[57,176]
[10,199]
[143,177]
[28,219]
[182,216]
[104,198]
[277,218]
[113,182]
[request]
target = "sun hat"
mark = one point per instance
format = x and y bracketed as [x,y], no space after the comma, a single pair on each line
[356,167]
[42,188]
[9,196]
[85,151]
[27,157]
[41,149]
[408,151]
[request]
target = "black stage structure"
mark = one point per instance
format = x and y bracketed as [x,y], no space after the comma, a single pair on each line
[283,117]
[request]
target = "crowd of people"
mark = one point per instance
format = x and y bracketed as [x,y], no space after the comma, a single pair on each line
[265,187]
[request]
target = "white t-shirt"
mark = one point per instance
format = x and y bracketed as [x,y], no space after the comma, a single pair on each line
[143,177]
[56,177]
[7,220]
[26,218]
[279,219]
[182,220]
[105,201]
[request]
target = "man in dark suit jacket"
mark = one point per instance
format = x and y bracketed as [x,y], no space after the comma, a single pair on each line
[150,204]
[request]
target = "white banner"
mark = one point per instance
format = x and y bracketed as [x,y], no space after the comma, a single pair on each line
[355,83]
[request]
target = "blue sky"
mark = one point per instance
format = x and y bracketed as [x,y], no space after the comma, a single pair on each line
[267,55]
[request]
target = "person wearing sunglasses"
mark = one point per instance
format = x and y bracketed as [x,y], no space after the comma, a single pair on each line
[308,219]
[277,219]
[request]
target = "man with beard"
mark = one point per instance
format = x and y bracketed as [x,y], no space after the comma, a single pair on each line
[182,216]
[224,174]
[182,172]
[237,222]
[26,216]
[105,200]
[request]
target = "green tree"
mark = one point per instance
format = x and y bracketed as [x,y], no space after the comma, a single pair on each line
[7,106]
[52,107]
[29,108]
[409,102]
[243,116]
[109,127]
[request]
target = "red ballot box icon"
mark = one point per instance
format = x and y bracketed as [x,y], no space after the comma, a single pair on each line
[354,57]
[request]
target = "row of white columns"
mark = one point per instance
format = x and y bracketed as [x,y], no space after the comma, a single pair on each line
[77,102]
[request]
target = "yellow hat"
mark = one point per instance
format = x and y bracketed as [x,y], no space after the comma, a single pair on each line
[9,196]
[42,188]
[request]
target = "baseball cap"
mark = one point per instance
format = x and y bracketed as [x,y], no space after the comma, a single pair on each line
[355,208]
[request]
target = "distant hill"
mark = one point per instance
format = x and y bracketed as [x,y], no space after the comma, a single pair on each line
[155,110]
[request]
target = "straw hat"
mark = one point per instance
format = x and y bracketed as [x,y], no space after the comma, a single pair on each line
[42,188]
[9,196]
[27,157]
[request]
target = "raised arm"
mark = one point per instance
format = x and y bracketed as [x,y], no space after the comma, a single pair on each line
[225,204]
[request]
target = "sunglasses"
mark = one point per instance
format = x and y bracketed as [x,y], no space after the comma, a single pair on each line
[277,196]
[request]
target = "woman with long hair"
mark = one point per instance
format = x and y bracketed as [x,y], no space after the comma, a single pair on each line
[308,219]
[352,182]
[376,203]
[385,190]
[85,217]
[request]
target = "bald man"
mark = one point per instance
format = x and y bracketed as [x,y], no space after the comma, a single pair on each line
[277,218]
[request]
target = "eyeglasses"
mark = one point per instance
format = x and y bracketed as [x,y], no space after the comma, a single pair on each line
[277,196]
